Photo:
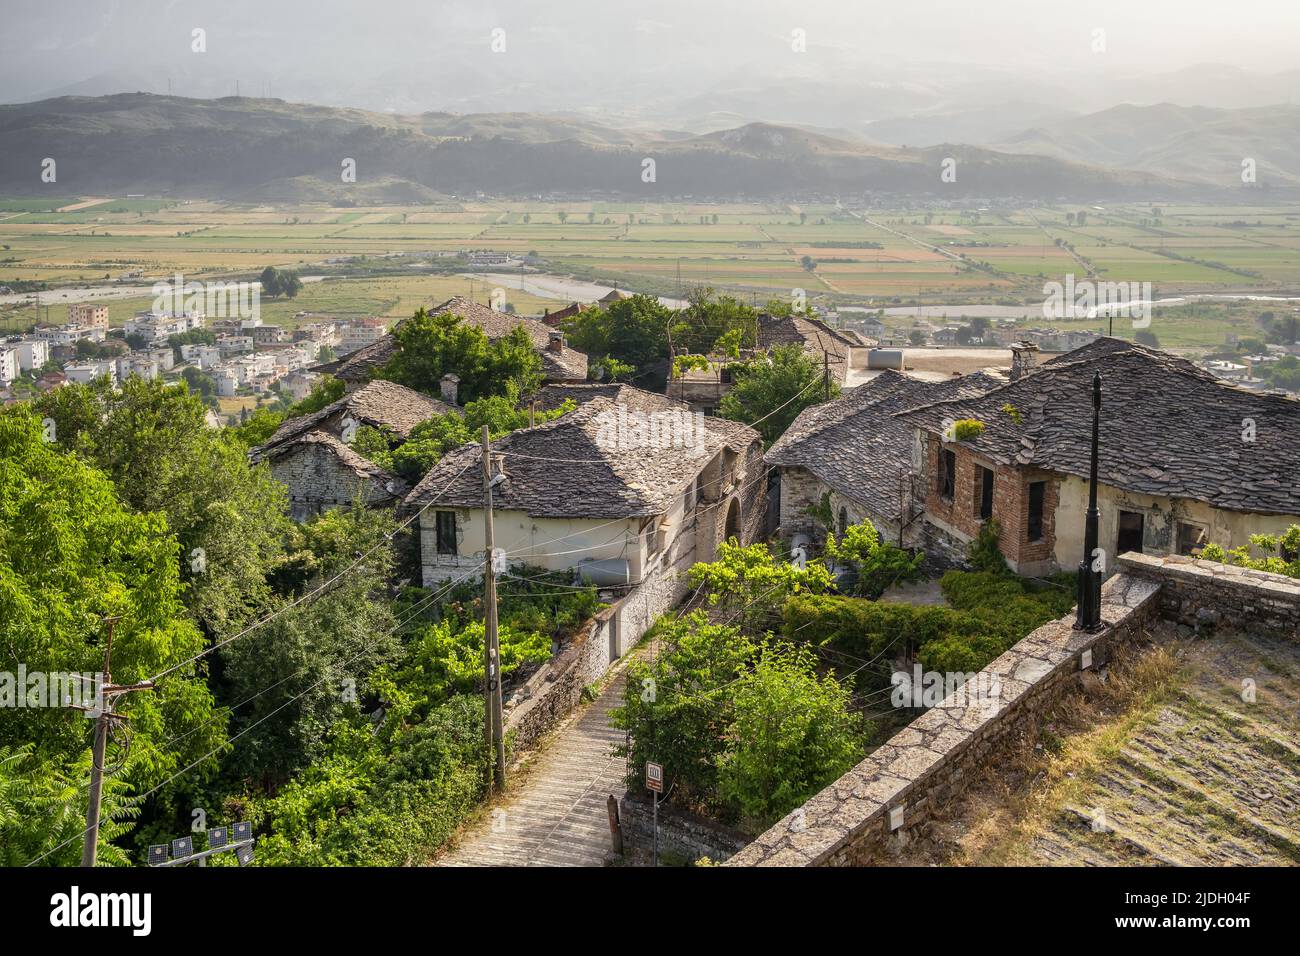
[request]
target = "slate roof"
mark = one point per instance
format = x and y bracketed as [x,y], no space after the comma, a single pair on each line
[360,466]
[567,364]
[563,468]
[1167,428]
[550,397]
[857,445]
[815,337]
[380,404]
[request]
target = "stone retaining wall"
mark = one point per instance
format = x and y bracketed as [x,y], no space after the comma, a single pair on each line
[555,689]
[871,810]
[1205,593]
[680,834]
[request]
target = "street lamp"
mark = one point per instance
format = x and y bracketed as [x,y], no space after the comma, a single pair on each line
[1088,617]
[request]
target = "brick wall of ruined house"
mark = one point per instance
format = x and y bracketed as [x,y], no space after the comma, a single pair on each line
[318,481]
[961,514]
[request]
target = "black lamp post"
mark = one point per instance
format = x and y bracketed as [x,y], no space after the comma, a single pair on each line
[1088,617]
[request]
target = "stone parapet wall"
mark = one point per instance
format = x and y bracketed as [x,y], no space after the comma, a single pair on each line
[1201,593]
[869,813]
[874,807]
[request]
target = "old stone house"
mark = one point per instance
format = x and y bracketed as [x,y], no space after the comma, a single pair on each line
[322,473]
[560,362]
[1185,459]
[310,453]
[624,493]
[855,453]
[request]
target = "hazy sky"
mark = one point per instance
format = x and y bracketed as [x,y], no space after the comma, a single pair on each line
[575,54]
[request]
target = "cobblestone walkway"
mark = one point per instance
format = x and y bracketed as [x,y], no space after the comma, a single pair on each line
[558,815]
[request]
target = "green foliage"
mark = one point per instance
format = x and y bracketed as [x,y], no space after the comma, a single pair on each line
[632,331]
[1013,413]
[258,428]
[42,812]
[791,734]
[444,658]
[714,706]
[684,363]
[430,440]
[152,441]
[965,429]
[879,565]
[379,799]
[434,345]
[770,394]
[323,651]
[749,584]
[280,282]
[989,612]
[327,391]
[1281,553]
[983,553]
[71,554]
[610,369]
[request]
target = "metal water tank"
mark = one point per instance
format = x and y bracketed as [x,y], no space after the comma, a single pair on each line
[605,572]
[885,358]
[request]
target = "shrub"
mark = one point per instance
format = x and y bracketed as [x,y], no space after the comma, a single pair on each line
[792,733]
[879,565]
[983,553]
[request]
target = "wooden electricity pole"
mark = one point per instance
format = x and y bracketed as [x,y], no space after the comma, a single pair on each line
[493,729]
[108,693]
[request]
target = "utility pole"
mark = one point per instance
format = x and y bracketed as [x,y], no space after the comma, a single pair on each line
[493,729]
[108,694]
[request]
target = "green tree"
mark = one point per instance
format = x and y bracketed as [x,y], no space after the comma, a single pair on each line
[878,565]
[791,733]
[71,554]
[433,345]
[748,584]
[770,394]
[323,651]
[633,331]
[152,441]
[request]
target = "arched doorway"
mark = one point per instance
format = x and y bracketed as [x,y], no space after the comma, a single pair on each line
[732,529]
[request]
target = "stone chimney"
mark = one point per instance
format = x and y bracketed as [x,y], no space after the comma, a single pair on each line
[556,342]
[1024,356]
[450,385]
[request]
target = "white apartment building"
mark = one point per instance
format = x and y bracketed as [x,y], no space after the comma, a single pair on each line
[32,353]
[157,326]
[86,372]
[8,364]
[136,364]
[70,334]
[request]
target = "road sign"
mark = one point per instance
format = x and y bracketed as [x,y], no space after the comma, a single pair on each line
[654,777]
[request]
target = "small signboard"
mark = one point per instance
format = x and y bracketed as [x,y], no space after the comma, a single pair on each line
[654,777]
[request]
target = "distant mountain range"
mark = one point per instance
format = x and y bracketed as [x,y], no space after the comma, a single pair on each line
[268,149]
[1193,143]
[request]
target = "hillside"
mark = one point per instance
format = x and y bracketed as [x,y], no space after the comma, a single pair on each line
[1193,143]
[244,148]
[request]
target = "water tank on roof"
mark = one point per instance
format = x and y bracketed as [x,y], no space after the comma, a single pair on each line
[605,572]
[885,358]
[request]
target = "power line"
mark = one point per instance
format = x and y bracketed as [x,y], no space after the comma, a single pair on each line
[265,717]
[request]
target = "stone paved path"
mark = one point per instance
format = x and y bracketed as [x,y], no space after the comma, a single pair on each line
[557,816]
